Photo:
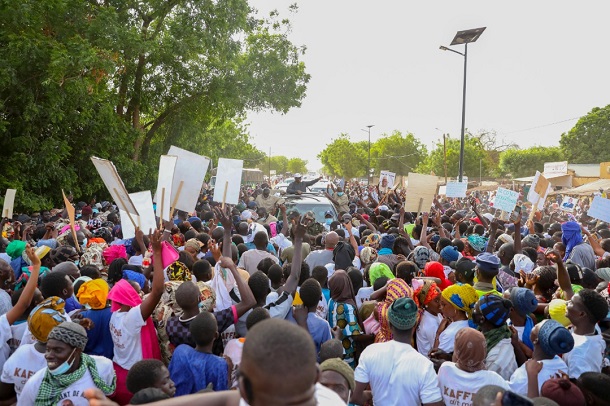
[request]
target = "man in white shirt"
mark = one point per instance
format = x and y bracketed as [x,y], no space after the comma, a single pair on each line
[69,371]
[324,256]
[396,372]
[585,310]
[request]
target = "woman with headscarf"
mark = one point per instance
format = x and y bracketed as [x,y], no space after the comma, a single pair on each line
[372,240]
[396,289]
[457,302]
[466,373]
[429,297]
[93,296]
[576,249]
[379,269]
[175,274]
[132,328]
[368,255]
[490,314]
[342,313]
[69,371]
[437,270]
[30,358]
[343,256]
[421,256]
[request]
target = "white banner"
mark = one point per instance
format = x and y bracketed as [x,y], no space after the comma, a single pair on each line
[600,209]
[456,189]
[9,204]
[506,200]
[145,220]
[114,184]
[190,170]
[167,167]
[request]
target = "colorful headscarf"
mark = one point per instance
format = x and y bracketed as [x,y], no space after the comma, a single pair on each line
[427,292]
[94,255]
[477,242]
[208,297]
[122,293]
[557,311]
[379,269]
[372,240]
[135,276]
[26,272]
[396,289]
[571,236]
[15,248]
[435,269]
[93,293]
[178,239]
[44,317]
[113,252]
[462,297]
[341,288]
[178,271]
[368,255]
[421,255]
[470,350]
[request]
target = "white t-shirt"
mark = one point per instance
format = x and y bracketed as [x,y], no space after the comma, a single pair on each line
[458,387]
[125,328]
[446,340]
[324,397]
[426,332]
[74,392]
[21,366]
[586,356]
[5,335]
[501,359]
[322,309]
[398,375]
[518,381]
[364,294]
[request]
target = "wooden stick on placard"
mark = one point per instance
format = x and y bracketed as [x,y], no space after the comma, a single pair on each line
[70,211]
[224,195]
[421,201]
[127,211]
[162,203]
[173,206]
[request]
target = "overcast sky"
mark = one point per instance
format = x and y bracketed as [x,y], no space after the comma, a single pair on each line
[378,62]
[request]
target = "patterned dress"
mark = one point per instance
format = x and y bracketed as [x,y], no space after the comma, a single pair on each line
[343,315]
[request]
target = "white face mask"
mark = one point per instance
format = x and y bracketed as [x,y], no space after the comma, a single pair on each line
[64,367]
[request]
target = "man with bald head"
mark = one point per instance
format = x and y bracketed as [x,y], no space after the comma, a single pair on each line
[323,256]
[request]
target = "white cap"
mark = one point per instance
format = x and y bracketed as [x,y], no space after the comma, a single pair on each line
[297,175]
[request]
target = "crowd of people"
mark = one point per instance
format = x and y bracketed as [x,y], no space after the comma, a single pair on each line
[255,304]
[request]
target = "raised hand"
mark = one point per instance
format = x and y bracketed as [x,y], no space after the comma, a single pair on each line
[300,227]
[155,240]
[224,216]
[31,253]
[553,256]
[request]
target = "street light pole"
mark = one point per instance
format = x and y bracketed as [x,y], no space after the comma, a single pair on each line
[462,141]
[464,37]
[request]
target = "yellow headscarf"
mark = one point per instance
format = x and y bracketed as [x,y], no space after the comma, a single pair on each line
[557,311]
[93,293]
[462,297]
[48,314]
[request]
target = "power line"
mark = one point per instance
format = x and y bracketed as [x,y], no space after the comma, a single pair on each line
[540,126]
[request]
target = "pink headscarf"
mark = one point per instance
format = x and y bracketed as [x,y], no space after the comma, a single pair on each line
[113,252]
[122,293]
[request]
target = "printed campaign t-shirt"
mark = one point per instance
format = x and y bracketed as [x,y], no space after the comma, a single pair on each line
[73,393]
[458,387]
[5,335]
[125,328]
[21,366]
[426,332]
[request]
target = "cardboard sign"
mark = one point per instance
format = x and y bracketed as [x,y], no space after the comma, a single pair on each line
[167,166]
[600,209]
[556,167]
[114,184]
[421,190]
[456,189]
[442,190]
[568,204]
[228,180]
[386,180]
[71,215]
[506,200]
[539,190]
[146,220]
[190,170]
[9,204]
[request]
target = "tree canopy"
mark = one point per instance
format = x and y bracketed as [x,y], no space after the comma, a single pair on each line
[525,162]
[124,80]
[475,158]
[397,153]
[344,158]
[589,140]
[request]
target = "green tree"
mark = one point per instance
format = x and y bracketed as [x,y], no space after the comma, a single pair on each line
[397,153]
[588,141]
[125,79]
[297,165]
[343,158]
[525,162]
[475,158]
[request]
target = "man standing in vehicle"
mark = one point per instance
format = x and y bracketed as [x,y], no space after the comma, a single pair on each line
[298,186]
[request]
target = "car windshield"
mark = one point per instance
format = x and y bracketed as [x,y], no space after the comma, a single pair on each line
[318,209]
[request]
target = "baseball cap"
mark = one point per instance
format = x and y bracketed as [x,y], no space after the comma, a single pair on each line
[298,175]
